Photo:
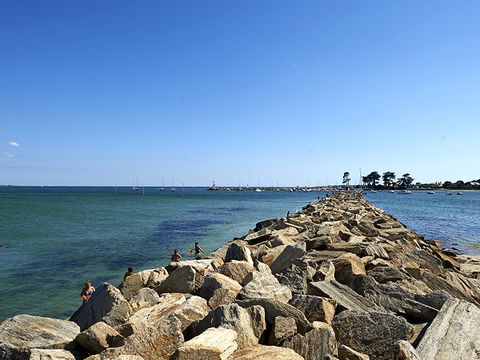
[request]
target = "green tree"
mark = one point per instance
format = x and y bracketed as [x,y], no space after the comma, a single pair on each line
[405,181]
[374,177]
[388,178]
[346,178]
[447,185]
[366,181]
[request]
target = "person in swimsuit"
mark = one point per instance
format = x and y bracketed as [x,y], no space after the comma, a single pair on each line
[176,256]
[87,291]
[128,273]
[197,249]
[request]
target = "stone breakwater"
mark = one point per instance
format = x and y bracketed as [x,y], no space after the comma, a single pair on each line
[339,280]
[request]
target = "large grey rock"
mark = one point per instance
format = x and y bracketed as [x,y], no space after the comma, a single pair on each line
[377,251]
[266,353]
[346,298]
[447,284]
[346,266]
[434,299]
[248,323]
[395,296]
[325,271]
[214,281]
[297,276]
[222,296]
[149,316]
[383,274]
[107,304]
[181,280]
[287,257]
[266,286]
[453,334]
[283,329]
[193,309]
[238,252]
[236,270]
[145,297]
[280,240]
[99,337]
[374,334]
[258,236]
[156,340]
[318,243]
[212,344]
[315,308]
[316,344]
[270,255]
[23,332]
[48,354]
[275,308]
[185,310]
[146,278]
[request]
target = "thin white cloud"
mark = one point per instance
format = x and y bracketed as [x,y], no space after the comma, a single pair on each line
[13,144]
[293,64]
[8,155]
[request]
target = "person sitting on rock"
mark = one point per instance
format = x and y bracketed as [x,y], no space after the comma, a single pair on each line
[87,291]
[176,256]
[128,273]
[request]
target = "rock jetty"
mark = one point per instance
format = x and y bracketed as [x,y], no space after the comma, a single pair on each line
[339,280]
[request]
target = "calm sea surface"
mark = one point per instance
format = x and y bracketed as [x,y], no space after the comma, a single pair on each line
[54,238]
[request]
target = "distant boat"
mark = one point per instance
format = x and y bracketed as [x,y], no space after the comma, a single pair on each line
[405,192]
[449,193]
[372,191]
[161,189]
[135,186]
[459,193]
[431,192]
[258,190]
[393,192]
[173,189]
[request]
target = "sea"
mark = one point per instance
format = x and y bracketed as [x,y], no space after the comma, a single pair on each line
[52,239]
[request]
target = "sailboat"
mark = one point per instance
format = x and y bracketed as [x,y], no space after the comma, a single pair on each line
[135,186]
[173,186]
[161,189]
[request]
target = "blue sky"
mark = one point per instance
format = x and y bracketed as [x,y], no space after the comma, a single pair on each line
[102,92]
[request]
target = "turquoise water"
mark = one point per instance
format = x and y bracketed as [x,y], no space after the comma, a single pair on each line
[55,238]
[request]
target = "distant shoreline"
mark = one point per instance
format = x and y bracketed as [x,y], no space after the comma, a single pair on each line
[244,188]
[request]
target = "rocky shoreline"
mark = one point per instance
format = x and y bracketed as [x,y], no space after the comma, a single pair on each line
[339,280]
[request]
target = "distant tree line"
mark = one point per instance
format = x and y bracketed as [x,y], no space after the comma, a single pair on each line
[389,180]
[462,185]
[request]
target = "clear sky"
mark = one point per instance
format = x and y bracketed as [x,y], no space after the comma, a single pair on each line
[101,92]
